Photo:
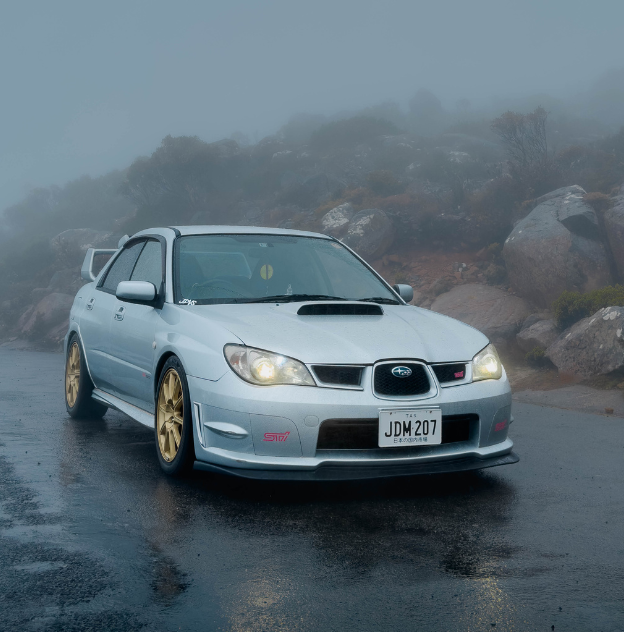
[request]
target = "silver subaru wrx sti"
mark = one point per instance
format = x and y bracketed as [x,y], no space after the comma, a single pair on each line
[280,354]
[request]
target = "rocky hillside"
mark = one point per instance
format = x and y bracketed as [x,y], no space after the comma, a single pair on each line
[480,234]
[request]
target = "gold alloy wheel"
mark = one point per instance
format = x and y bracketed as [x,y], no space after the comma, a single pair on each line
[170,415]
[72,374]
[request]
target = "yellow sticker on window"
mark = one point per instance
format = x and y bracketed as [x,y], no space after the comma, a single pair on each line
[266,271]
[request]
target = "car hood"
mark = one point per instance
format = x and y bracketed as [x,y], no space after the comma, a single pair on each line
[402,332]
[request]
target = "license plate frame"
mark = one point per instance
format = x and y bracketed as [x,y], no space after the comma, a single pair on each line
[410,431]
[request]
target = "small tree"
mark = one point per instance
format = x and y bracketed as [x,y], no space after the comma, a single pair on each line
[524,136]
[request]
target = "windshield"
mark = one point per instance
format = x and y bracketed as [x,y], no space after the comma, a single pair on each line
[213,269]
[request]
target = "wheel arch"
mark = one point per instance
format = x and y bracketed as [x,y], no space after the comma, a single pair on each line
[160,364]
[75,329]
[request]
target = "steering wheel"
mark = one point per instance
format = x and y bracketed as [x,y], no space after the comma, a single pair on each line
[219,284]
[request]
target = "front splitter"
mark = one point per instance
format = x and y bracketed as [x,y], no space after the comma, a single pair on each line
[360,472]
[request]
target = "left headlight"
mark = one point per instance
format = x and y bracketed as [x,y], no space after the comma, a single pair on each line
[264,368]
[486,365]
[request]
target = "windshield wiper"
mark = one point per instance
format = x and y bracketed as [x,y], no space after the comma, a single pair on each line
[379,299]
[290,298]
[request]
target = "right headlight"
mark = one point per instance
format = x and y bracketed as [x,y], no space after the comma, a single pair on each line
[486,365]
[264,368]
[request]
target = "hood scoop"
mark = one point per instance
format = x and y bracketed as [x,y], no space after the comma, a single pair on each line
[340,309]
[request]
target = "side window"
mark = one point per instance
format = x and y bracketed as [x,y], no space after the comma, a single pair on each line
[122,267]
[149,265]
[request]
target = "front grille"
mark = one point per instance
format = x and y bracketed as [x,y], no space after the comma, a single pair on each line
[388,384]
[339,375]
[449,372]
[362,434]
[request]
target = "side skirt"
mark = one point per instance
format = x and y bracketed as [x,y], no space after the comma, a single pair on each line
[138,414]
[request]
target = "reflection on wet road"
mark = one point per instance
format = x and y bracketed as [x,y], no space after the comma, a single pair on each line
[93,536]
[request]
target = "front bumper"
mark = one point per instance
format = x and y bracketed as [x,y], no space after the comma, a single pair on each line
[347,472]
[299,412]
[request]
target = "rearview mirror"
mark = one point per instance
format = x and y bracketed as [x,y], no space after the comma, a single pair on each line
[136,291]
[406,292]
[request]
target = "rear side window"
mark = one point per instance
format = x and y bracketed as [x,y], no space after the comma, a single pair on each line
[149,265]
[122,267]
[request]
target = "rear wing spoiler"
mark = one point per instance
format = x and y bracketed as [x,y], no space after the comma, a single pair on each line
[86,272]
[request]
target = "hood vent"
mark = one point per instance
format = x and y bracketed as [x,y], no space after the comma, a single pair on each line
[340,309]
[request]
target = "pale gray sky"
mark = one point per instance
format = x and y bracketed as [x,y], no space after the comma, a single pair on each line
[88,86]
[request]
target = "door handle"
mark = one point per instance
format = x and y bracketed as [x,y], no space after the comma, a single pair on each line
[119,314]
[90,303]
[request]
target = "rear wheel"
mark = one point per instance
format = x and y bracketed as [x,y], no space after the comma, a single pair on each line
[174,426]
[78,384]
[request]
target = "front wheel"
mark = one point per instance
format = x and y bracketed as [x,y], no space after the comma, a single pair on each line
[174,425]
[78,384]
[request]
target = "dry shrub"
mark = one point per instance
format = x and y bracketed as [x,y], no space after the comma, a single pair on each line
[598,201]
[384,183]
[571,307]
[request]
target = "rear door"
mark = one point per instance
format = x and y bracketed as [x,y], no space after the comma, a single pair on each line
[132,333]
[97,316]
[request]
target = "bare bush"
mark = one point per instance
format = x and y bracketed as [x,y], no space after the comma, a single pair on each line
[524,136]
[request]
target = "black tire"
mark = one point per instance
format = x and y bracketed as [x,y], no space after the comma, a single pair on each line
[164,435]
[83,407]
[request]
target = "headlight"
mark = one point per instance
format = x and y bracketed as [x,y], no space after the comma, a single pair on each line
[486,365]
[265,368]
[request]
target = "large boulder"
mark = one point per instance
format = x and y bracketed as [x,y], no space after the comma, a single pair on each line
[614,229]
[540,334]
[336,221]
[498,314]
[370,233]
[555,248]
[71,245]
[50,312]
[592,346]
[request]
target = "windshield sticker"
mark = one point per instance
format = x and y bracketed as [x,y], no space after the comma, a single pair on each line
[289,290]
[263,245]
[187,301]
[266,271]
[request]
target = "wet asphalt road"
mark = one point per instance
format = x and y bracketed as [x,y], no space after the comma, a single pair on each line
[94,537]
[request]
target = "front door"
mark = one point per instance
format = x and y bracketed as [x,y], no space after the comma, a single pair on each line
[132,334]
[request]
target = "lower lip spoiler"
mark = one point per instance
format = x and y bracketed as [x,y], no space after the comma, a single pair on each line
[354,472]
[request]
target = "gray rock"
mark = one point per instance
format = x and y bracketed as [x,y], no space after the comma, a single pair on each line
[530,320]
[540,334]
[614,228]
[282,157]
[534,318]
[71,245]
[593,346]
[370,233]
[66,281]
[336,221]
[543,257]
[577,216]
[440,286]
[48,313]
[575,189]
[496,313]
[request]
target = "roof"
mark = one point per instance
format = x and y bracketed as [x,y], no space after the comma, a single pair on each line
[244,230]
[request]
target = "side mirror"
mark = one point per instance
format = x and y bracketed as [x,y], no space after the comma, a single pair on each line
[136,291]
[406,292]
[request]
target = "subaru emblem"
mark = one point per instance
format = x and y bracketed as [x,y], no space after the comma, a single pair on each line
[401,371]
